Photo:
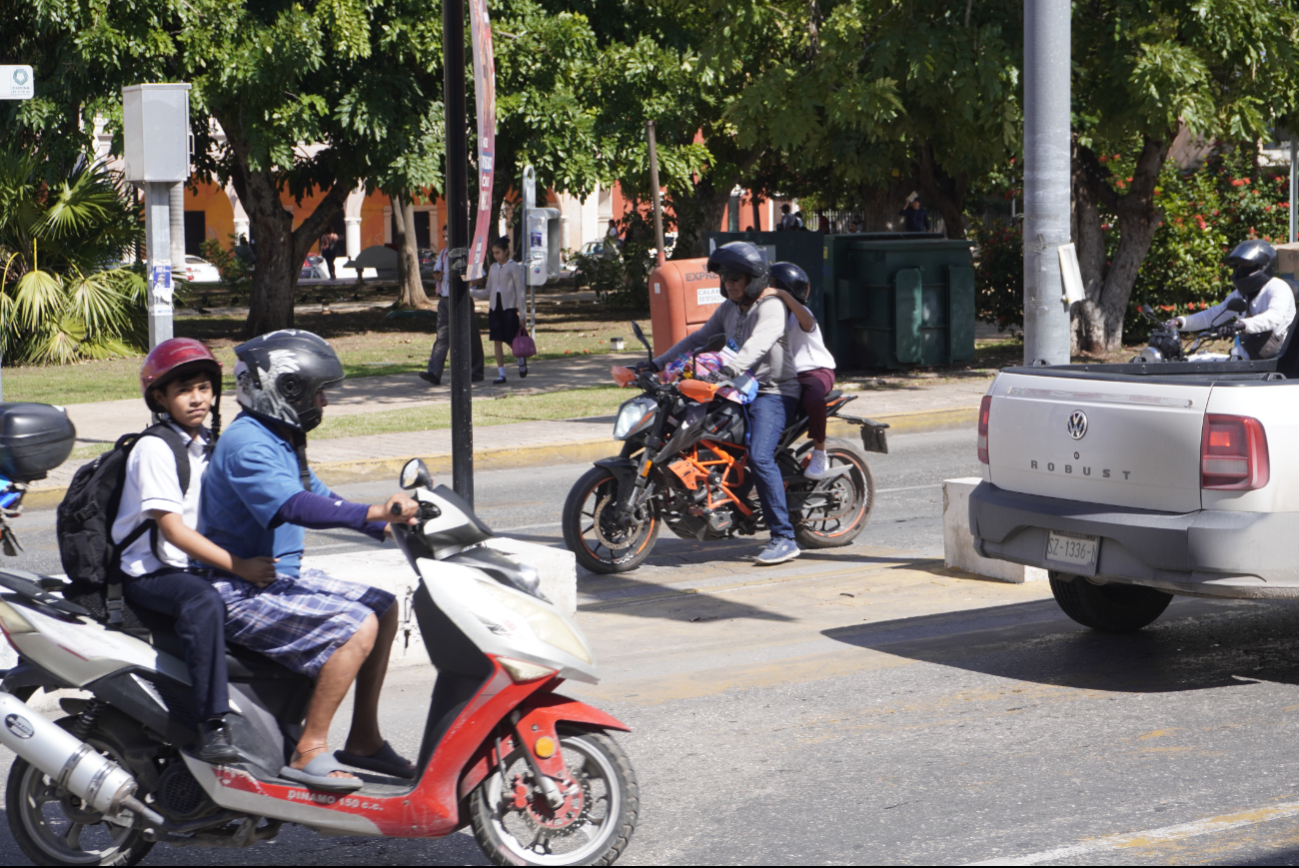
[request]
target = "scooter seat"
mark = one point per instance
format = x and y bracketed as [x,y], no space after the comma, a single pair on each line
[242,664]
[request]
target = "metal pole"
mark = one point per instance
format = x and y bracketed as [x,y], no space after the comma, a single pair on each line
[654,191]
[1294,186]
[1046,178]
[461,306]
[176,198]
[157,233]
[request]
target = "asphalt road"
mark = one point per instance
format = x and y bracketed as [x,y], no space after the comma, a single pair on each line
[866,706]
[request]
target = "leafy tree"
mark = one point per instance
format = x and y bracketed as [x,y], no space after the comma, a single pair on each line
[58,300]
[1145,72]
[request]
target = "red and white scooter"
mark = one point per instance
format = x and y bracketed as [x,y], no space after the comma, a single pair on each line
[536,774]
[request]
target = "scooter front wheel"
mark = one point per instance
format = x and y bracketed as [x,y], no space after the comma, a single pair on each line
[592,532]
[515,825]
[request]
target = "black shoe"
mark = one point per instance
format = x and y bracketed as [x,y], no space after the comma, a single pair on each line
[430,378]
[214,744]
[477,379]
[523,369]
[498,381]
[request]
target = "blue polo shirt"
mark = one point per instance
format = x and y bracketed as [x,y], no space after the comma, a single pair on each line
[253,471]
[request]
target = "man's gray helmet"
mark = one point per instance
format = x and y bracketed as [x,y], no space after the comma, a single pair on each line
[278,375]
[741,257]
[1251,265]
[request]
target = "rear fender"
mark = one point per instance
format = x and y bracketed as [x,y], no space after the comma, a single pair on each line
[539,715]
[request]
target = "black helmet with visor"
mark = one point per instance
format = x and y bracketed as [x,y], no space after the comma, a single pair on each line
[742,257]
[1251,265]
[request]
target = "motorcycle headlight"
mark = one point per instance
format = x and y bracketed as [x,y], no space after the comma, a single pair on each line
[549,627]
[634,416]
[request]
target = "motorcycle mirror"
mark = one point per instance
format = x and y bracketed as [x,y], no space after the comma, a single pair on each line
[415,475]
[715,344]
[640,336]
[1237,305]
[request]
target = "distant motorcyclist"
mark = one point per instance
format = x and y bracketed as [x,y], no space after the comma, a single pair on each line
[1271,303]
[758,327]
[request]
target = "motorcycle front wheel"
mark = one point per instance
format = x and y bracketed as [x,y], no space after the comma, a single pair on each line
[853,494]
[592,533]
[514,824]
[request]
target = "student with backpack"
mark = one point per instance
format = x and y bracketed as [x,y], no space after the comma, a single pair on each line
[154,532]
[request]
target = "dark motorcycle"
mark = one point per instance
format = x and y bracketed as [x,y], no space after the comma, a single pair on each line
[1165,344]
[683,464]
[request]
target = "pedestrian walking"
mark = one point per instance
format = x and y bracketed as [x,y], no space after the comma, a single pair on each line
[504,294]
[914,217]
[438,357]
[613,236]
[329,250]
[788,222]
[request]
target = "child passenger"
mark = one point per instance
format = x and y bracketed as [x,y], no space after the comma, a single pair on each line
[812,361]
[156,521]
[505,295]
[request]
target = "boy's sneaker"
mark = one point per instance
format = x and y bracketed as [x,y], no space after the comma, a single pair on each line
[777,551]
[816,467]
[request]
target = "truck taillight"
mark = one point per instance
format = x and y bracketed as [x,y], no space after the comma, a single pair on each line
[1233,454]
[984,409]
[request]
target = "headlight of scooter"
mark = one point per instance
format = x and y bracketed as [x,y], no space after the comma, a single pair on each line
[549,627]
[634,416]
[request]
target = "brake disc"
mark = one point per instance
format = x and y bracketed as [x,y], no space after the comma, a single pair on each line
[614,537]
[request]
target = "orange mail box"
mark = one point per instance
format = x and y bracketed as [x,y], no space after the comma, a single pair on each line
[683,295]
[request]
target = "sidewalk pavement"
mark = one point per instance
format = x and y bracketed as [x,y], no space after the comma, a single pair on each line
[907,403]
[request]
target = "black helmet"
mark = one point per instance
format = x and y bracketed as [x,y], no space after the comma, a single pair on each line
[792,279]
[1250,265]
[278,375]
[741,257]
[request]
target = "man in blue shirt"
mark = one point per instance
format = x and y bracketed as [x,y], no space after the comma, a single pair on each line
[258,498]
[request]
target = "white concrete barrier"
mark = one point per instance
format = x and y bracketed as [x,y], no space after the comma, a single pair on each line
[958,542]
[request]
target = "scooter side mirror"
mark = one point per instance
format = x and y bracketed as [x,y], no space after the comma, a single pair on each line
[1237,305]
[415,475]
[715,344]
[640,336]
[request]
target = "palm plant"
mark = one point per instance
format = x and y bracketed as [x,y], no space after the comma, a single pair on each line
[63,293]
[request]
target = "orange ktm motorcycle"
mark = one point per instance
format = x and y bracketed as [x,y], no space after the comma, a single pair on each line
[683,464]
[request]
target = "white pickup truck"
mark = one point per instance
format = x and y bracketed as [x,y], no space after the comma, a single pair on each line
[1132,483]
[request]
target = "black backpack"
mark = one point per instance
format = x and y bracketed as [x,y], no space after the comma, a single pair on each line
[85,519]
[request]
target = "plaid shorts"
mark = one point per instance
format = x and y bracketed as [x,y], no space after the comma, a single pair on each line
[298,622]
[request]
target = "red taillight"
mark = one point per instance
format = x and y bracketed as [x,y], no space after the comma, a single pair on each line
[984,409]
[1233,454]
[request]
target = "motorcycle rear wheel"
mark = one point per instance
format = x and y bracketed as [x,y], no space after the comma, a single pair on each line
[856,490]
[591,533]
[609,808]
[52,827]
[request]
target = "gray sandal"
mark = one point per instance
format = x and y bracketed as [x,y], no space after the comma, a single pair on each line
[316,775]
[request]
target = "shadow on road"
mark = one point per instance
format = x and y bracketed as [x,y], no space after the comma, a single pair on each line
[1198,644]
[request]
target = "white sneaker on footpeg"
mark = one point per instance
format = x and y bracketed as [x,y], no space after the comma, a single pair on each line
[816,467]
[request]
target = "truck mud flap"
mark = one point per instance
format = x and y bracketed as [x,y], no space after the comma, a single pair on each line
[873,438]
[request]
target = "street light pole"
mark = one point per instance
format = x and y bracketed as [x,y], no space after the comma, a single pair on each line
[461,306]
[1046,178]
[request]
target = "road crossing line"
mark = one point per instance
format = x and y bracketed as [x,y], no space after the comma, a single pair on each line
[1210,826]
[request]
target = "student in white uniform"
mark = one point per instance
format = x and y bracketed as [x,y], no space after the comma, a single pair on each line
[812,361]
[505,295]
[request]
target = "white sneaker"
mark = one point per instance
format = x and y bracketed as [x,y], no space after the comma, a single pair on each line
[816,468]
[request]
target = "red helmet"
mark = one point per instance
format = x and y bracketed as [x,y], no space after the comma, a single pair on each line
[174,358]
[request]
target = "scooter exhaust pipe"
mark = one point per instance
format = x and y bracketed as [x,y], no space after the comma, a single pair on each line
[102,784]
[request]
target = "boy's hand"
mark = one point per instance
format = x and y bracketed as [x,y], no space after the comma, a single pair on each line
[400,509]
[260,570]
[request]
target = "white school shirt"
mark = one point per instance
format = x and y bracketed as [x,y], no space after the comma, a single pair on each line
[444,285]
[151,483]
[507,282]
[807,348]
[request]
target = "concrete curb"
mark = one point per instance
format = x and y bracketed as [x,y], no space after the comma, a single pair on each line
[380,469]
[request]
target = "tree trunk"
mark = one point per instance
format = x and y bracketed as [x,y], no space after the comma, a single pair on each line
[881,204]
[1100,318]
[699,214]
[755,203]
[943,192]
[410,285]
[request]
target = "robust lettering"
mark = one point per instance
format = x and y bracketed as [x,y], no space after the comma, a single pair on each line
[1033,465]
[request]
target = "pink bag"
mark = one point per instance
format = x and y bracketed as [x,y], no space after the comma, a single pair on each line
[523,345]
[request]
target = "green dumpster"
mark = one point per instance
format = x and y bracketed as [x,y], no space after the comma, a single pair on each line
[898,301]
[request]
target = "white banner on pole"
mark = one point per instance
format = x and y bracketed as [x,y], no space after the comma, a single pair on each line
[17,82]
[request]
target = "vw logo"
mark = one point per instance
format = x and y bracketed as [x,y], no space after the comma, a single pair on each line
[1077,425]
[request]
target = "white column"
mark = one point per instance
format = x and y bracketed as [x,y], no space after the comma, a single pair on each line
[241,216]
[352,220]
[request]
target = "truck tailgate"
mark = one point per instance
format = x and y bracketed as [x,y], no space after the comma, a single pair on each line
[1122,443]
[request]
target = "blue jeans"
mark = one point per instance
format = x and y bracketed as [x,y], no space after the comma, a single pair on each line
[768,415]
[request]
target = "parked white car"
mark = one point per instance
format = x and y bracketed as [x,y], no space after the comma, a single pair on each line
[198,270]
[1132,483]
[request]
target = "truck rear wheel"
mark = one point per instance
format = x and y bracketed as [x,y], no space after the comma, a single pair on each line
[1109,608]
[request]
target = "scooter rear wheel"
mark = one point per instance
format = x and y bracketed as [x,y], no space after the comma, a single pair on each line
[592,533]
[52,826]
[606,809]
